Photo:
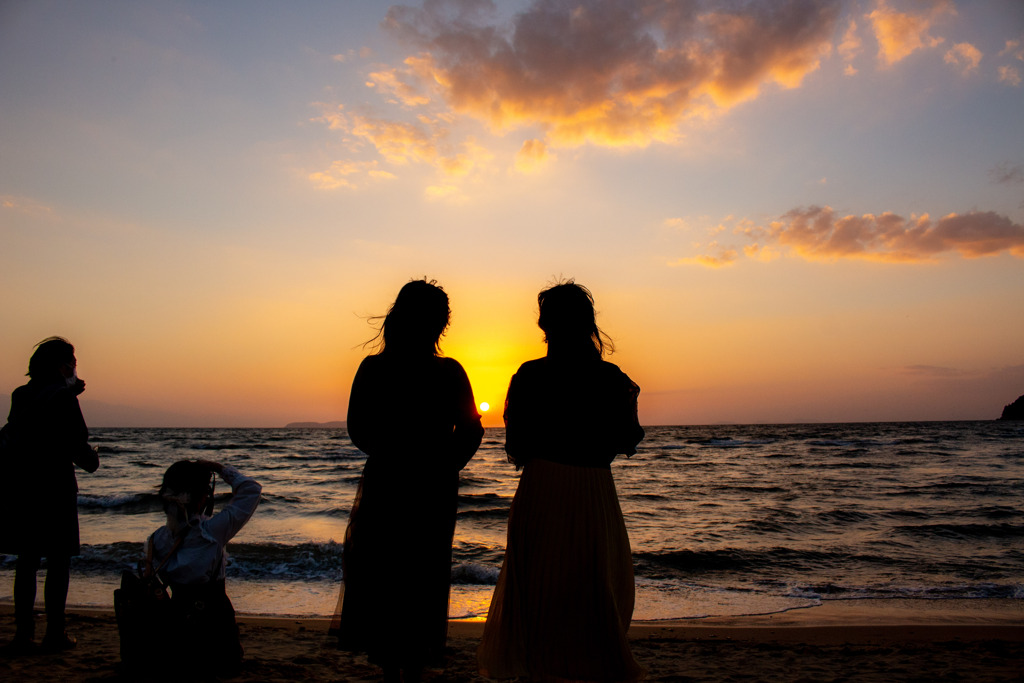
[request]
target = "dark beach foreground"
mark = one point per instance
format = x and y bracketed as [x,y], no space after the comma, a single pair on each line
[856,640]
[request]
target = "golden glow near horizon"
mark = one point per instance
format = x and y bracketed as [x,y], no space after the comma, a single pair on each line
[786,211]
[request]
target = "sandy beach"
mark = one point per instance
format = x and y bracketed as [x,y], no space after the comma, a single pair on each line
[865,640]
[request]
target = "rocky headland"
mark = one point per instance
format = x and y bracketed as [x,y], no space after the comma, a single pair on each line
[1014,411]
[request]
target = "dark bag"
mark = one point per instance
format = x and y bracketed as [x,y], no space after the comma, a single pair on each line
[145,617]
[207,621]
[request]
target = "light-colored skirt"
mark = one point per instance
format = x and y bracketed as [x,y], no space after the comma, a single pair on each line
[565,593]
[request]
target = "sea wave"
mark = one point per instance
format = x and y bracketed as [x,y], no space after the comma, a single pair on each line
[130,503]
[325,455]
[484,513]
[259,561]
[966,531]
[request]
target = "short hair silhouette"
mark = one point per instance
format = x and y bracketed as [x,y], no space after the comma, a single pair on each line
[186,483]
[416,321]
[49,356]
[569,321]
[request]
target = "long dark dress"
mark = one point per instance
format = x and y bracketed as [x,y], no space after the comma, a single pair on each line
[565,594]
[416,420]
[47,439]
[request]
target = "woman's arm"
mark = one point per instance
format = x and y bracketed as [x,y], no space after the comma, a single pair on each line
[82,454]
[468,432]
[69,433]
[517,425]
[364,416]
[628,432]
[245,491]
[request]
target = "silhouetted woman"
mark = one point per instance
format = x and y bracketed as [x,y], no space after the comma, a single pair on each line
[412,412]
[564,598]
[46,438]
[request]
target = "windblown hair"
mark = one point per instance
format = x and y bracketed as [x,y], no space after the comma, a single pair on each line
[50,354]
[415,323]
[186,483]
[569,321]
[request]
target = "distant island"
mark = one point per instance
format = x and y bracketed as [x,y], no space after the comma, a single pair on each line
[333,424]
[1014,411]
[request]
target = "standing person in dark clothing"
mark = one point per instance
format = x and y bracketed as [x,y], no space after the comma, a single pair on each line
[565,593]
[398,545]
[46,437]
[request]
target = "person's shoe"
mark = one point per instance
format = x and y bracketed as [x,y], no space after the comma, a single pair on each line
[59,642]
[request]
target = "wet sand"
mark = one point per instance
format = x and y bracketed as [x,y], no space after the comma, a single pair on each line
[856,640]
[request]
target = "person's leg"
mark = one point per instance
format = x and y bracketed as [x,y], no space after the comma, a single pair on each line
[25,597]
[55,593]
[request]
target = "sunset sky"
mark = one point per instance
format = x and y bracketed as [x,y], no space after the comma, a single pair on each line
[787,212]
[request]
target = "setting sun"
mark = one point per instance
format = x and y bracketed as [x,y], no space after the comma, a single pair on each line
[484,407]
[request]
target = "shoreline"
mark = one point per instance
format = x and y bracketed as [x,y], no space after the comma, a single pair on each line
[858,640]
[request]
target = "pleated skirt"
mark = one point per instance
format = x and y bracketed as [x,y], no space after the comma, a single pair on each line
[564,598]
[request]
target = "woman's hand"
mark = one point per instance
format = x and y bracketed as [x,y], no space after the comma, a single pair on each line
[212,466]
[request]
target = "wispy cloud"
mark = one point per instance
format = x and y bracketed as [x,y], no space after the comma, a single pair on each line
[424,141]
[718,257]
[1007,174]
[900,34]
[850,47]
[937,371]
[819,234]
[399,86]
[11,205]
[347,174]
[1010,75]
[532,156]
[964,57]
[1013,49]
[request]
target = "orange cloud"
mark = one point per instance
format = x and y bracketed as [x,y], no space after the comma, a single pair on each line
[396,141]
[1009,75]
[1013,49]
[964,56]
[901,33]
[344,174]
[400,143]
[722,256]
[850,47]
[818,234]
[532,156]
[24,205]
[616,72]
[397,84]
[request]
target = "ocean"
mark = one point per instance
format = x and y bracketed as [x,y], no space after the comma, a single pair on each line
[723,520]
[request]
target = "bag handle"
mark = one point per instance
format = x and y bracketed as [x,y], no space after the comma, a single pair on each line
[148,570]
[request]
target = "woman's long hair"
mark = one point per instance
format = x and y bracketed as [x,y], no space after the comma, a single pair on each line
[415,323]
[569,322]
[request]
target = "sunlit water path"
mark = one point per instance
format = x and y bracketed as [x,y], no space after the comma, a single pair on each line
[723,520]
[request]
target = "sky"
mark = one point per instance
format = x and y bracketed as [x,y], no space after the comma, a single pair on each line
[792,211]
